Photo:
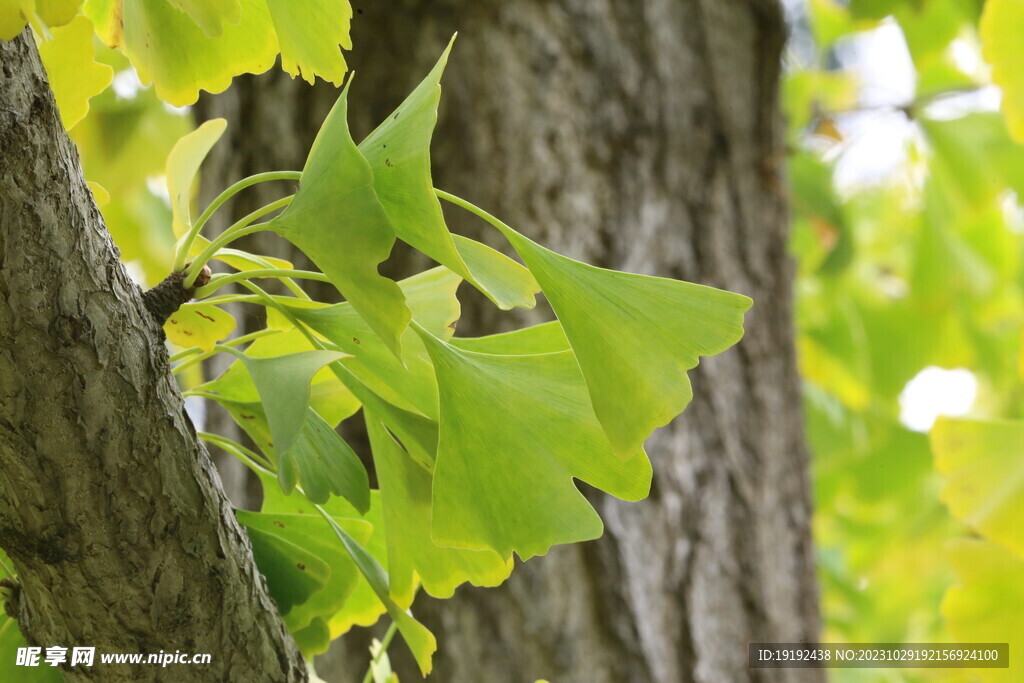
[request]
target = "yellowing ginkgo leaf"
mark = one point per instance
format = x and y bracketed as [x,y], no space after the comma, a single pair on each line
[183,164]
[311,35]
[74,74]
[168,49]
[14,14]
[981,462]
[198,324]
[1001,28]
[985,606]
[210,15]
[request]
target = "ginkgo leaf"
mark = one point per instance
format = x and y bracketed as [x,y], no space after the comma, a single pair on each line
[325,464]
[635,336]
[544,338]
[14,14]
[514,432]
[398,151]
[312,534]
[238,259]
[421,641]
[293,573]
[283,386]
[182,166]
[210,15]
[1001,28]
[168,49]
[984,476]
[310,35]
[406,502]
[337,220]
[407,383]
[74,74]
[985,606]
[99,194]
[328,396]
[199,324]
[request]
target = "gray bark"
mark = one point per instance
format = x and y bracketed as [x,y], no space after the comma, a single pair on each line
[644,136]
[110,508]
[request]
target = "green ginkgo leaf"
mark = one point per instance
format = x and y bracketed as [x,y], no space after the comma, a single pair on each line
[337,220]
[985,606]
[984,472]
[406,501]
[325,464]
[398,151]
[199,324]
[71,67]
[635,336]
[182,166]
[312,534]
[310,34]
[167,48]
[293,573]
[210,15]
[407,383]
[420,640]
[1001,28]
[514,432]
[283,386]
[544,338]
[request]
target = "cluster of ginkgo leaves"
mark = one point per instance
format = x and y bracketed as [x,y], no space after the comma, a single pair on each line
[476,442]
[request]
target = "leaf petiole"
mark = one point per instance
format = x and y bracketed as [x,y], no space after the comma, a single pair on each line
[219,281]
[243,227]
[186,243]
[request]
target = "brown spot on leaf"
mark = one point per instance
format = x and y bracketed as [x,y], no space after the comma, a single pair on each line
[278,524]
[203,315]
[300,566]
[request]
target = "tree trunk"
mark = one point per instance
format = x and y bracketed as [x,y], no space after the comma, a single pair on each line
[110,509]
[644,136]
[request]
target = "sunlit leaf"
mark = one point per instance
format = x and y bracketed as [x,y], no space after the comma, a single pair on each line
[421,641]
[407,383]
[310,35]
[42,14]
[532,417]
[985,606]
[71,67]
[210,15]
[99,194]
[406,500]
[634,336]
[544,338]
[168,49]
[398,151]
[337,220]
[1001,28]
[183,165]
[984,472]
[199,324]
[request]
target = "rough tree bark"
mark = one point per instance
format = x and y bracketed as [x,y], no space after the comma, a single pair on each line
[643,136]
[110,508]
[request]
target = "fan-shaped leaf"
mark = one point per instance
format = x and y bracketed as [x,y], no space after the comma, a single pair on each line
[199,324]
[635,336]
[398,151]
[337,220]
[14,14]
[183,164]
[405,497]
[984,472]
[309,34]
[210,15]
[544,338]
[514,431]
[74,74]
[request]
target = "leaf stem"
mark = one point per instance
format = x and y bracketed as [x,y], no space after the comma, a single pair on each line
[219,281]
[474,209]
[241,228]
[186,243]
[203,355]
[384,643]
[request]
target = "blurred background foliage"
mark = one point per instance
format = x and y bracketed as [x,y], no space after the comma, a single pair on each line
[907,233]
